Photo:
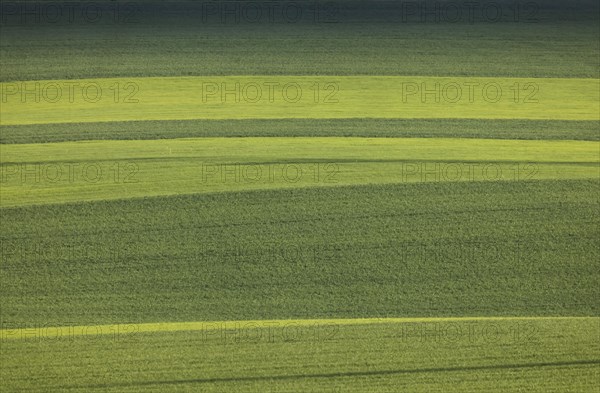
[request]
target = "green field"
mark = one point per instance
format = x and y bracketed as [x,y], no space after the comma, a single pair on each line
[268,97]
[71,171]
[433,249]
[363,38]
[389,128]
[398,227]
[289,356]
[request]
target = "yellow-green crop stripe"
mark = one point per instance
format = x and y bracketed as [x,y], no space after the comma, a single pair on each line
[39,331]
[320,97]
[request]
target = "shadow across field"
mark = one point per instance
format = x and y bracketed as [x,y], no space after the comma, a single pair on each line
[342,374]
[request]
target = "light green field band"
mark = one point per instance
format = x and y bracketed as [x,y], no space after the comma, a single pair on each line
[71,171]
[51,332]
[319,97]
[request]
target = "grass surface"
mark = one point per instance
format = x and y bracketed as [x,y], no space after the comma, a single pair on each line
[408,128]
[251,97]
[445,249]
[456,356]
[69,332]
[129,225]
[363,38]
[71,171]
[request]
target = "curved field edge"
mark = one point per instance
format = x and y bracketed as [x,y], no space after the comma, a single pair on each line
[70,171]
[132,179]
[56,332]
[419,249]
[384,128]
[280,97]
[536,355]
